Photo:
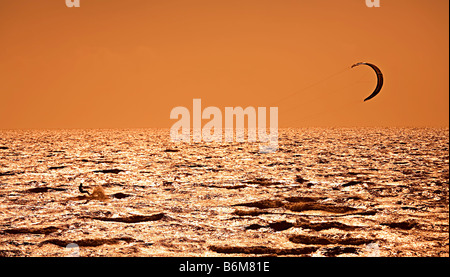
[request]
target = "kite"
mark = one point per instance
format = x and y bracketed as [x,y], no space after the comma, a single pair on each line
[379,78]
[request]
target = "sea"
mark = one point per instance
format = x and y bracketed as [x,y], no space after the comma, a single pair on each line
[325,192]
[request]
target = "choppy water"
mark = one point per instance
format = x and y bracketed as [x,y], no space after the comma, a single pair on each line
[325,192]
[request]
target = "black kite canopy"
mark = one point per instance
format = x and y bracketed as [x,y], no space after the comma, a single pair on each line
[379,77]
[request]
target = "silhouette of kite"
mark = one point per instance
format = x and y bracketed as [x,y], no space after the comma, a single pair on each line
[379,78]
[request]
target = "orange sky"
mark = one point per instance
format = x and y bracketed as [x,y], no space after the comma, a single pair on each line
[127,63]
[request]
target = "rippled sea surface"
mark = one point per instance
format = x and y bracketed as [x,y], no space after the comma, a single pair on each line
[325,192]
